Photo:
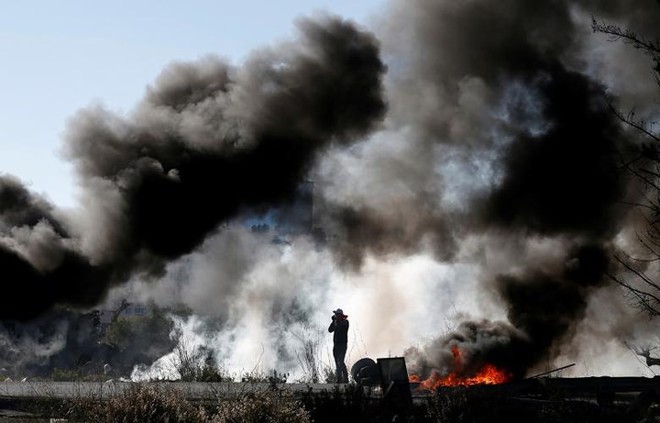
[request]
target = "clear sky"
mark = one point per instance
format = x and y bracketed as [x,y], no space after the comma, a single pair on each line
[59,56]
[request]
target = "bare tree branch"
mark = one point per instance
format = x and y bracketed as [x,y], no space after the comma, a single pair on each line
[649,47]
[637,275]
[639,125]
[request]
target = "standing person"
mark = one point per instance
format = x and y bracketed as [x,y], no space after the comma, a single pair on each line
[339,326]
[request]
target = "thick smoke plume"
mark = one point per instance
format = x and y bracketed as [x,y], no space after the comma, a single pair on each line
[464,165]
[549,145]
[543,306]
[208,141]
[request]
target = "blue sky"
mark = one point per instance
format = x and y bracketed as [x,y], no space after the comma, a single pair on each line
[59,56]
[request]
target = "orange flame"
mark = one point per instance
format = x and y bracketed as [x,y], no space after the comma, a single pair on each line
[487,375]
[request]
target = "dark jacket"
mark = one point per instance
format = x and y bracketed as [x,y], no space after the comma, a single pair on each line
[340,329]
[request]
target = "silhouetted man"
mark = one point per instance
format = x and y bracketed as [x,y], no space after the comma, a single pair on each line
[339,326]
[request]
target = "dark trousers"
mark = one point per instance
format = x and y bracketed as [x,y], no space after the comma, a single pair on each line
[339,353]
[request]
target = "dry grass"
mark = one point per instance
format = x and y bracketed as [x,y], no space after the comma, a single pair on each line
[157,403]
[140,403]
[146,403]
[262,407]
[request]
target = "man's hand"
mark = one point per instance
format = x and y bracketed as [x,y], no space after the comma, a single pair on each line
[333,317]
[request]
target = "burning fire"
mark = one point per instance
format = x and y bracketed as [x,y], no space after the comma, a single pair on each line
[487,375]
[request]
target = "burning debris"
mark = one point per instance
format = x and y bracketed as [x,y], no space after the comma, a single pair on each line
[475,353]
[542,307]
[486,375]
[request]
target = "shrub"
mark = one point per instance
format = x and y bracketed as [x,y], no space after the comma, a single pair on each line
[146,403]
[274,406]
[139,403]
[329,374]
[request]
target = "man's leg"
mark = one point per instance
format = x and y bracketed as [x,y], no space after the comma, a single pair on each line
[336,356]
[342,372]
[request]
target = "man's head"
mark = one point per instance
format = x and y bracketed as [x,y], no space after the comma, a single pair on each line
[339,313]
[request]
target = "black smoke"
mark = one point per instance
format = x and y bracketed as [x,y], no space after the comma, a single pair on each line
[567,180]
[208,141]
[479,343]
[18,207]
[549,143]
[41,265]
[544,129]
[543,306]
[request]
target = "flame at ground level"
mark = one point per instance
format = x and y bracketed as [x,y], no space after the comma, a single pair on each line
[487,375]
